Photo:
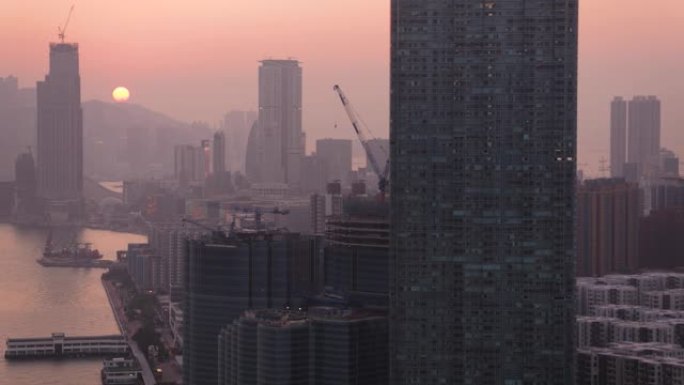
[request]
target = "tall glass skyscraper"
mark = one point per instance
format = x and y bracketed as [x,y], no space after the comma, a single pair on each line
[60,127]
[483,146]
[279,136]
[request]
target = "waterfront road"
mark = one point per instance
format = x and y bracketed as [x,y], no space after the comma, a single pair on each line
[128,330]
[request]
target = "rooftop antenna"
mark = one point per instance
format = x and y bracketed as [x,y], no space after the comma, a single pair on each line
[62,30]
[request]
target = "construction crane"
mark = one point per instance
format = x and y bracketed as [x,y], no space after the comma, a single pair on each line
[356,123]
[258,214]
[62,30]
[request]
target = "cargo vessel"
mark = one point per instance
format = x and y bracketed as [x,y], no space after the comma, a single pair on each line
[75,255]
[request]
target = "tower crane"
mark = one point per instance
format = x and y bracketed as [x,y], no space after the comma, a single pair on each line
[62,30]
[258,213]
[382,173]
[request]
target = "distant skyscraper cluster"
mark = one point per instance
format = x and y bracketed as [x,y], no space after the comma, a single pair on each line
[635,137]
[629,222]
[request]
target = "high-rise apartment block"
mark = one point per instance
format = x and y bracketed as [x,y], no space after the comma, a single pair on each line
[356,253]
[189,164]
[324,346]
[608,214]
[643,141]
[634,329]
[225,277]
[60,127]
[483,146]
[218,154]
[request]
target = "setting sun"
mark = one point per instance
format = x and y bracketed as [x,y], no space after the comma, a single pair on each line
[121,94]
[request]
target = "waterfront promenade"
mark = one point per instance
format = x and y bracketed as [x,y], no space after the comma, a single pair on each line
[128,330]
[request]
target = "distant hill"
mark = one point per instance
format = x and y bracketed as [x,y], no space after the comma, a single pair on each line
[124,140]
[120,140]
[97,112]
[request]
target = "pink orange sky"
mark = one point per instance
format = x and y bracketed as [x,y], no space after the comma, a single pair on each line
[195,60]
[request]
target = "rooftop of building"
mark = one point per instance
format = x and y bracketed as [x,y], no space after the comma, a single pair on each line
[63,46]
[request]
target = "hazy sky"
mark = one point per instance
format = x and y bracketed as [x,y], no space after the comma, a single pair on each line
[195,60]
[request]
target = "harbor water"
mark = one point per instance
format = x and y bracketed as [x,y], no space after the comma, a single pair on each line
[37,301]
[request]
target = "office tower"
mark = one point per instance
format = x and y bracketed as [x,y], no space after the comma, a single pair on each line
[254,154]
[220,179]
[236,127]
[190,163]
[324,346]
[669,164]
[608,214]
[618,137]
[483,144]
[336,156]
[219,154]
[60,127]
[315,174]
[279,134]
[225,277]
[643,143]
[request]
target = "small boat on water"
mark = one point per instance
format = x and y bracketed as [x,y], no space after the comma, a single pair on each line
[75,255]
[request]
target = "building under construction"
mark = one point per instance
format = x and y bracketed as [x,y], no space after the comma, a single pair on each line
[356,255]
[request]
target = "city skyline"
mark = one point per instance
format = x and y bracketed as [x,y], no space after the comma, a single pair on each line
[115,37]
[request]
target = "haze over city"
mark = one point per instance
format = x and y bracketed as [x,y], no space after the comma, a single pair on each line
[195,61]
[362,192]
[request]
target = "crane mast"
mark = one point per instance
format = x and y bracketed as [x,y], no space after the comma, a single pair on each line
[355,121]
[62,30]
